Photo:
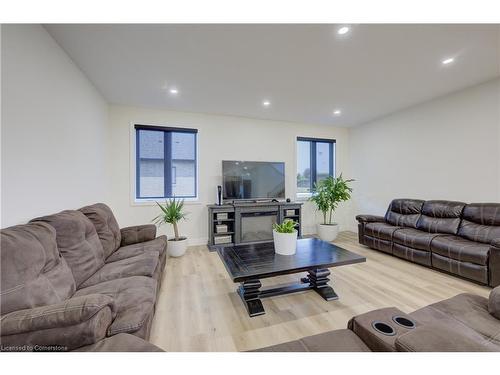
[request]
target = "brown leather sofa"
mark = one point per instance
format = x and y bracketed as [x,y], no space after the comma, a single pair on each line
[454,237]
[464,323]
[76,280]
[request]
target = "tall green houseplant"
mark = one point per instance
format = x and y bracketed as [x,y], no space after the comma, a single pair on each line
[172,213]
[328,193]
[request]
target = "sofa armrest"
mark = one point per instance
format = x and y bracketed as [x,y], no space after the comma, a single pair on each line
[494,263]
[369,218]
[436,337]
[68,325]
[137,234]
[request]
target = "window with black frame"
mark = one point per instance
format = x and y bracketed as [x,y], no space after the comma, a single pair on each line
[166,162]
[315,161]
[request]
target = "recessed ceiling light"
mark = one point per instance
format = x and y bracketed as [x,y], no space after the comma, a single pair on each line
[448,61]
[266,103]
[343,30]
[337,112]
[173,91]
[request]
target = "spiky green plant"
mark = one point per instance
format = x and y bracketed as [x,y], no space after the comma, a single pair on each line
[287,226]
[172,213]
[328,193]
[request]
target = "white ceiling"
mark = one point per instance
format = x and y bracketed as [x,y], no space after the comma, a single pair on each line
[306,71]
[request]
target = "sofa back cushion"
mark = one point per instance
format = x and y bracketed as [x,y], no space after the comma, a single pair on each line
[404,212]
[33,273]
[440,216]
[78,243]
[480,222]
[106,226]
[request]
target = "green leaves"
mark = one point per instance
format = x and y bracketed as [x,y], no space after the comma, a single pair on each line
[172,212]
[328,193]
[287,226]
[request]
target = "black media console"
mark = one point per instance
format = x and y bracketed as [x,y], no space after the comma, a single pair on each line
[246,222]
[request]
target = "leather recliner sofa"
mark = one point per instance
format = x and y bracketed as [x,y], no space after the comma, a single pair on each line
[464,323]
[75,280]
[454,237]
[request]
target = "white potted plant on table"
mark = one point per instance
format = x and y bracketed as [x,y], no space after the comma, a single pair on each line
[327,194]
[285,237]
[172,213]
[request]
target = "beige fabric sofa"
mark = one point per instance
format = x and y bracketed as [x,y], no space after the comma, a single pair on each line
[72,279]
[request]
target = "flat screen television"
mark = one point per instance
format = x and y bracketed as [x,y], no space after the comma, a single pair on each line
[253,180]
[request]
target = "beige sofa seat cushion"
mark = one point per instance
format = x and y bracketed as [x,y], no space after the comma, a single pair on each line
[468,310]
[32,271]
[106,226]
[140,265]
[134,299]
[78,243]
[70,324]
[122,342]
[158,245]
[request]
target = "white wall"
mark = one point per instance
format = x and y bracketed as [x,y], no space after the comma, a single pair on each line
[448,148]
[53,129]
[219,138]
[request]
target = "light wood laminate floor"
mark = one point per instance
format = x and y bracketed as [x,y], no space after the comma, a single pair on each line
[198,308]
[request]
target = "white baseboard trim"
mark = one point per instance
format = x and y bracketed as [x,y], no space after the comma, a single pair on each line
[197,241]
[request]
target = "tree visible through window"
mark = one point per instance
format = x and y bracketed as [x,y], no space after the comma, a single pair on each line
[165,162]
[315,161]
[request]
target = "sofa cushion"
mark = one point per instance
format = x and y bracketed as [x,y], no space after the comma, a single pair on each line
[140,265]
[469,311]
[158,245]
[404,212]
[32,271]
[414,238]
[440,216]
[382,231]
[459,248]
[78,243]
[106,226]
[494,302]
[134,299]
[436,337]
[340,340]
[69,324]
[480,222]
[122,342]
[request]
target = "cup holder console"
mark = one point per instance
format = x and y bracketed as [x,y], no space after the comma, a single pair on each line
[383,328]
[404,322]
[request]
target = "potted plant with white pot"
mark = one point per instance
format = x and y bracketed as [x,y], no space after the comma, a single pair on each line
[285,237]
[172,213]
[327,194]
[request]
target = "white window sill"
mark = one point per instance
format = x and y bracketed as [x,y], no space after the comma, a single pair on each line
[303,197]
[152,202]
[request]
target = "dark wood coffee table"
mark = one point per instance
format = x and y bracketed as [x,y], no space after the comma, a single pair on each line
[247,264]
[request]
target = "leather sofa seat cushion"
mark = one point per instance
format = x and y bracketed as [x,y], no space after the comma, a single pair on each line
[122,342]
[158,245]
[404,212]
[460,249]
[341,340]
[494,302]
[78,243]
[465,312]
[140,265]
[414,238]
[481,222]
[440,217]
[382,231]
[32,271]
[134,299]
[106,226]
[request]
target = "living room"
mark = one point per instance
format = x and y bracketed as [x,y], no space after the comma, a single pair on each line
[276,187]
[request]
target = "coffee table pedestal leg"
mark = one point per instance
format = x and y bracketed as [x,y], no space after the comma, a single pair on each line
[249,293]
[318,279]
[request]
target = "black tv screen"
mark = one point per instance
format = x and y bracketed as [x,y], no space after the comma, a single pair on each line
[253,179]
